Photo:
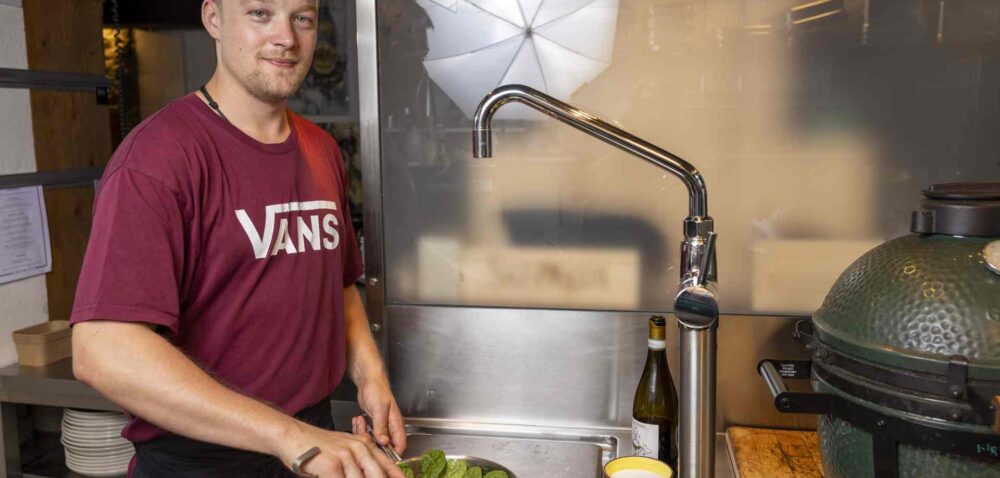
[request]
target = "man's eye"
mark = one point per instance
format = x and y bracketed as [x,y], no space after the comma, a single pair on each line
[304,20]
[258,13]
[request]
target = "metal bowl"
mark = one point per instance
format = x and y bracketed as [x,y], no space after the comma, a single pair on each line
[483,463]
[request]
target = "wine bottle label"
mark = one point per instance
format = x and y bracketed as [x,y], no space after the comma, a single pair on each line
[657,344]
[645,439]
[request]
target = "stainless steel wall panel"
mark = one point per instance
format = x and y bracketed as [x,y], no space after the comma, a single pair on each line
[815,129]
[371,165]
[564,368]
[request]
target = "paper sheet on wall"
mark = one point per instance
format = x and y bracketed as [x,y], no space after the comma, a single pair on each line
[24,234]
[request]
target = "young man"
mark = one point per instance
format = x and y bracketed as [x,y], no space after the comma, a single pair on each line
[217,295]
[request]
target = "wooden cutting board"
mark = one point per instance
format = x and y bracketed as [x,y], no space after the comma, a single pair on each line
[768,453]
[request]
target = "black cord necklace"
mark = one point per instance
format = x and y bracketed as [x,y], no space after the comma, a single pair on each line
[211,102]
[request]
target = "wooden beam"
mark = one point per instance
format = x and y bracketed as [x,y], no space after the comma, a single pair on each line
[70,129]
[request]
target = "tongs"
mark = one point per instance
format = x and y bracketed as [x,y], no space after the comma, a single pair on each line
[388,450]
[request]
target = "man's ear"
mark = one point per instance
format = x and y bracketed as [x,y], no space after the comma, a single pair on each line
[211,17]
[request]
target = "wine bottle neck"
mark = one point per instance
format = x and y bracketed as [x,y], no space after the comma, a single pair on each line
[656,345]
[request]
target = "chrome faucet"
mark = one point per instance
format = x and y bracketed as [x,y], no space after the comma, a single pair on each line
[696,304]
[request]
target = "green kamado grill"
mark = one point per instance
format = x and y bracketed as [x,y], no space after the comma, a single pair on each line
[906,349]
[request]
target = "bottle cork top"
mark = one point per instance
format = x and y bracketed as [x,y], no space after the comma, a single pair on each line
[657,329]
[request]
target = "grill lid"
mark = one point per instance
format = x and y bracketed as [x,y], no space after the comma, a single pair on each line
[919,299]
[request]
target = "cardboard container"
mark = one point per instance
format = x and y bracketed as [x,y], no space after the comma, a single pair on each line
[44,343]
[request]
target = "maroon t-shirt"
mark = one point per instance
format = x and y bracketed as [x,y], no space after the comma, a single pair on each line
[238,250]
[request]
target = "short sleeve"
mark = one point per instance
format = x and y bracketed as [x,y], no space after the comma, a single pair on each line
[353,266]
[134,260]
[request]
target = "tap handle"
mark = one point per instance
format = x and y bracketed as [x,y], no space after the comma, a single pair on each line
[707,259]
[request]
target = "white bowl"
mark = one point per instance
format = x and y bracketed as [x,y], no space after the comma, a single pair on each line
[92,413]
[80,422]
[95,444]
[97,472]
[111,462]
[99,452]
[93,433]
[82,446]
[108,464]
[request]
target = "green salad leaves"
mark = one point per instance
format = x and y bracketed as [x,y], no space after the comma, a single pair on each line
[433,464]
[456,469]
[474,472]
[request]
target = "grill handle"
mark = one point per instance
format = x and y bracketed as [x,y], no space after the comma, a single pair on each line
[775,383]
[774,373]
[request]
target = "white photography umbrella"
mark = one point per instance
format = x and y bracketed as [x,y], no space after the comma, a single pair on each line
[554,46]
[449,4]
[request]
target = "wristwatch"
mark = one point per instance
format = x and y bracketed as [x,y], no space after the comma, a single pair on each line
[302,459]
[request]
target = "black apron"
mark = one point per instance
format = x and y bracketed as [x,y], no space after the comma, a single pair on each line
[174,456]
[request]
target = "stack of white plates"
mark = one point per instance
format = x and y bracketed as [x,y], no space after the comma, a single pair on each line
[93,443]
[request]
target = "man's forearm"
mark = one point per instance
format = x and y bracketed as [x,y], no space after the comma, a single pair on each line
[140,371]
[363,360]
[368,372]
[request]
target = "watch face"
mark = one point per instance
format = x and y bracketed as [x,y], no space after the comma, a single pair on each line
[992,255]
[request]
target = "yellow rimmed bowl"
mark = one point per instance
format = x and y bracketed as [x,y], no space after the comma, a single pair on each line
[637,467]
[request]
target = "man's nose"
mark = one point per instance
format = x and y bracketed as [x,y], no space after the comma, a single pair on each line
[283,34]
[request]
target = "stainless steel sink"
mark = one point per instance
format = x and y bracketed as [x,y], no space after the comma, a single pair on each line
[529,452]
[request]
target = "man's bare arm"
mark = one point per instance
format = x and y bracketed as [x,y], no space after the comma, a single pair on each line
[143,373]
[367,370]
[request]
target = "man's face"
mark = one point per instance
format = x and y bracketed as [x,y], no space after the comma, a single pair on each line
[267,45]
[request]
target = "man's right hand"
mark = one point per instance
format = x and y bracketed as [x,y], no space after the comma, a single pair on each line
[342,455]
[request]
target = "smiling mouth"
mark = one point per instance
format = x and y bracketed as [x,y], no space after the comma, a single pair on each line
[281,62]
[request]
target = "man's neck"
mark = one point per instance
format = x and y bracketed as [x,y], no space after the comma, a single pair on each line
[263,121]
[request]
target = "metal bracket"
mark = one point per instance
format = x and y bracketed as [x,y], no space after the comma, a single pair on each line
[54,179]
[885,455]
[103,94]
[55,80]
[804,332]
[958,376]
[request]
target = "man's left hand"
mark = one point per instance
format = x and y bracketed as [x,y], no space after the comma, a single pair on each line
[375,398]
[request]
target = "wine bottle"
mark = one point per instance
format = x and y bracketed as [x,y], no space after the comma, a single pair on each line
[654,410]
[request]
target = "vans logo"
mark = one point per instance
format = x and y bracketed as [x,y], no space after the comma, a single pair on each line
[307,234]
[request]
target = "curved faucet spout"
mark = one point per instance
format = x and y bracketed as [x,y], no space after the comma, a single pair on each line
[482,138]
[695,304]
